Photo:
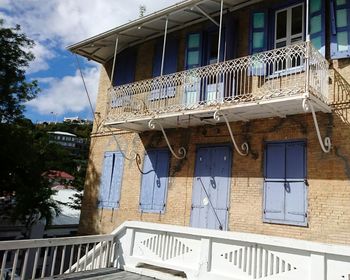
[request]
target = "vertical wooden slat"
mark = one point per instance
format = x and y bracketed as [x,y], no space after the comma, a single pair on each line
[4,260]
[24,268]
[44,262]
[53,264]
[78,257]
[86,253]
[14,266]
[63,255]
[36,258]
[93,257]
[71,258]
[100,255]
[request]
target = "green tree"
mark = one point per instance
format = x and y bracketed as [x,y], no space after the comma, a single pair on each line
[14,58]
[25,159]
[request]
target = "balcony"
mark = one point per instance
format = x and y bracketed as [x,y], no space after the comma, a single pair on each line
[267,84]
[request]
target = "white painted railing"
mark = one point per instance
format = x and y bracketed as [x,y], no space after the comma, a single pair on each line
[148,249]
[288,71]
[38,258]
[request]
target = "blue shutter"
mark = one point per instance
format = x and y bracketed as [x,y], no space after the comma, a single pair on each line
[317,25]
[340,21]
[161,181]
[170,58]
[295,161]
[193,50]
[154,182]
[114,193]
[231,37]
[147,183]
[275,161]
[295,202]
[202,174]
[258,40]
[220,178]
[125,67]
[111,180]
[274,201]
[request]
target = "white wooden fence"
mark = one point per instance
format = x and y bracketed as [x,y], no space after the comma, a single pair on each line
[198,253]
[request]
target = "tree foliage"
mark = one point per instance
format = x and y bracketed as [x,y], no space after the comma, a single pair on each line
[25,193]
[14,88]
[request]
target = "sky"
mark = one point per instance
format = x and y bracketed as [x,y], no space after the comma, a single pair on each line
[55,24]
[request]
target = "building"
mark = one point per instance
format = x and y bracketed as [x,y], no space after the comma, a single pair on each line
[225,115]
[76,120]
[69,140]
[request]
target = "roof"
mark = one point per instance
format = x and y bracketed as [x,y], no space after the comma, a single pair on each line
[101,47]
[53,174]
[62,133]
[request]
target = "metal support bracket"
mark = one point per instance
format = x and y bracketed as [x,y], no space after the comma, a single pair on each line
[132,155]
[182,151]
[326,143]
[244,146]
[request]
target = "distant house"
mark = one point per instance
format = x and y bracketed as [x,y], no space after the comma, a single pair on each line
[59,179]
[69,140]
[76,120]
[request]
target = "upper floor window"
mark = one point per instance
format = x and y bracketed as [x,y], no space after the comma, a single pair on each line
[289,26]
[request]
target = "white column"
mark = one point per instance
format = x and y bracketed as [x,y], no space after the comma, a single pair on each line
[220,30]
[318,267]
[114,58]
[164,45]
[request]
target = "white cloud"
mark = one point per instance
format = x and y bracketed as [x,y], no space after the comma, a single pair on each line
[67,95]
[42,55]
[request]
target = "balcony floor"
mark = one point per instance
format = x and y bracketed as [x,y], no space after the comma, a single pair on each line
[201,115]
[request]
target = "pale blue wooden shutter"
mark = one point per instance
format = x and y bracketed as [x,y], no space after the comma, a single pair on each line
[295,187]
[201,179]
[317,25]
[154,182]
[340,21]
[219,187]
[275,159]
[147,183]
[111,180]
[274,201]
[161,181]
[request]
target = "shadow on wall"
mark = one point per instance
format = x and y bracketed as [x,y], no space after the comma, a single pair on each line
[341,97]
[89,216]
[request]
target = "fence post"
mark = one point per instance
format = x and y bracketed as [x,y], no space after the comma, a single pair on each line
[318,267]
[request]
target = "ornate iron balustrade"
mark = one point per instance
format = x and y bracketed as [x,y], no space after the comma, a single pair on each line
[294,70]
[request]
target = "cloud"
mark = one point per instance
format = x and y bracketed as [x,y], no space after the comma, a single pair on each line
[42,55]
[67,95]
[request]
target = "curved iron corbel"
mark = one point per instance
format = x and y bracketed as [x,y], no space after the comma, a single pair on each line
[132,155]
[182,151]
[326,143]
[217,116]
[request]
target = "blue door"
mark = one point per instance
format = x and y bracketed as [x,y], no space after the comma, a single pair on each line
[211,185]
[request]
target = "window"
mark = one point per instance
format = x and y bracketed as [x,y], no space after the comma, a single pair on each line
[154,183]
[193,51]
[340,16]
[285,193]
[289,26]
[111,180]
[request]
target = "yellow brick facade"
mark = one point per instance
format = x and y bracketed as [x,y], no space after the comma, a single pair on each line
[328,174]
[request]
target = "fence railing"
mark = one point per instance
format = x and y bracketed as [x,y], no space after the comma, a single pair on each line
[287,71]
[38,258]
[148,249]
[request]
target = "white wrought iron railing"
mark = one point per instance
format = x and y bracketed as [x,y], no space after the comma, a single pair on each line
[202,254]
[288,71]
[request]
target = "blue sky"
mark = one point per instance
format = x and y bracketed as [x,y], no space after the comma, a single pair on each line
[55,24]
